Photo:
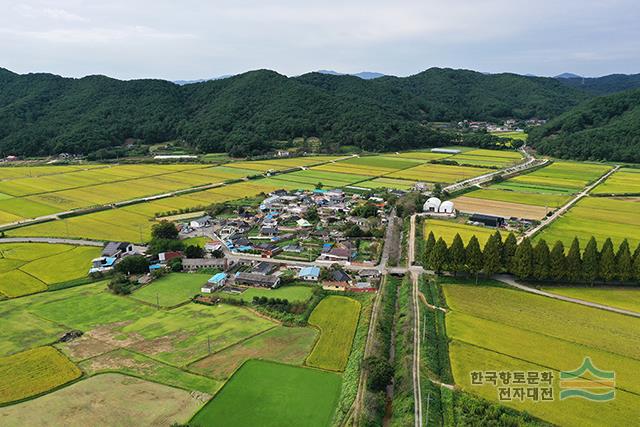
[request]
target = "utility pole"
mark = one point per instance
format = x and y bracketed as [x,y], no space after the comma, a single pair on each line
[428,401]
[209,343]
[158,301]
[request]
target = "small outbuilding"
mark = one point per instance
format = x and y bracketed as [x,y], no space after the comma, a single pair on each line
[432,204]
[446,207]
[217,281]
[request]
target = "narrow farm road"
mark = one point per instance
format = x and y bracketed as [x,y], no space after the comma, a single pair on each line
[52,240]
[417,388]
[509,280]
[557,214]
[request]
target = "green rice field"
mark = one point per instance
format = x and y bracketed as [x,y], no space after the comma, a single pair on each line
[525,332]
[620,297]
[559,177]
[488,158]
[534,199]
[291,293]
[172,289]
[601,217]
[623,181]
[280,395]
[444,174]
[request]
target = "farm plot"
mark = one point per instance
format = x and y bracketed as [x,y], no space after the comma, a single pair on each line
[601,217]
[138,365]
[521,136]
[176,337]
[109,399]
[13,172]
[623,181]
[291,293]
[281,344]
[281,164]
[329,179]
[280,395]
[469,204]
[33,372]
[625,298]
[384,164]
[524,332]
[431,172]
[488,158]
[343,168]
[171,290]
[337,318]
[534,199]
[27,268]
[448,230]
[423,155]
[400,184]
[559,177]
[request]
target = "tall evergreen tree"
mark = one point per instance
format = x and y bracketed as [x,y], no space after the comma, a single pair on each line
[608,262]
[523,260]
[474,257]
[591,261]
[541,261]
[558,262]
[574,262]
[428,247]
[492,255]
[509,250]
[636,267]
[457,255]
[439,256]
[624,262]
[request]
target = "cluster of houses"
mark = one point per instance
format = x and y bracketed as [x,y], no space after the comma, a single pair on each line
[111,254]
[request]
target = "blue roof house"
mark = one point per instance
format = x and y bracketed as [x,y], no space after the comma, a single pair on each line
[311,274]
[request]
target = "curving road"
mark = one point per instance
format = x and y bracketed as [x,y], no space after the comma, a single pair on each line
[509,280]
[52,240]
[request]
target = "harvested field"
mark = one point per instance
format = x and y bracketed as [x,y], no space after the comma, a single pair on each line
[469,204]
[109,399]
[281,344]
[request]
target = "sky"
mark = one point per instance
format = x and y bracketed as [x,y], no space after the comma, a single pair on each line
[201,39]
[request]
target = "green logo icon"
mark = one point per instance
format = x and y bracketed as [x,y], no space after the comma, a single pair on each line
[588,382]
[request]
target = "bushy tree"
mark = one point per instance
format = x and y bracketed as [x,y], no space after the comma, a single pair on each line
[194,251]
[164,230]
[133,264]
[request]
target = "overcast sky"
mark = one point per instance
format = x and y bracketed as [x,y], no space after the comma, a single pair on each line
[199,39]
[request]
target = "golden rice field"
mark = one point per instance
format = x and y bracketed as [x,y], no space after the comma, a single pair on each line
[444,174]
[525,332]
[623,181]
[33,372]
[448,230]
[27,268]
[563,175]
[600,217]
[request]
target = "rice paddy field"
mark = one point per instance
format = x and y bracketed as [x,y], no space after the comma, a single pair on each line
[336,317]
[601,217]
[172,289]
[525,332]
[623,181]
[281,344]
[280,395]
[448,230]
[262,166]
[488,158]
[34,371]
[377,183]
[27,268]
[561,177]
[437,173]
[109,399]
[620,297]
[521,136]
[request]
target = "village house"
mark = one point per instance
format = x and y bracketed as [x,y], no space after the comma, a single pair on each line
[309,274]
[252,279]
[216,282]
[201,222]
[263,268]
[118,250]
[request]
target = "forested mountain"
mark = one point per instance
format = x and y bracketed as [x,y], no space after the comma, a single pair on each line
[605,128]
[603,85]
[43,114]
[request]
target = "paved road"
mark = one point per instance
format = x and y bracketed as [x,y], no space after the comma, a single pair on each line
[509,280]
[567,205]
[77,242]
[529,163]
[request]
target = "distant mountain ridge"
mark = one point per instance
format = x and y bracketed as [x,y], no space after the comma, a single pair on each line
[45,114]
[604,85]
[365,75]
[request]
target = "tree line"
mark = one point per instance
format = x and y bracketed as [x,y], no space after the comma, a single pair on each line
[538,262]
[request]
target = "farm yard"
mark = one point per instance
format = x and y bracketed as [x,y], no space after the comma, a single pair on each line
[336,317]
[518,331]
[27,268]
[625,181]
[600,217]
[279,395]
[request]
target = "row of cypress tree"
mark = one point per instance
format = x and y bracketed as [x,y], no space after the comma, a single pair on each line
[535,262]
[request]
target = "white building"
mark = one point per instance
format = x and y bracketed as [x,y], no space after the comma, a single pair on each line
[432,204]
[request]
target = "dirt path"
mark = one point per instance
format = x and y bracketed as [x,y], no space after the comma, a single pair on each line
[417,388]
[509,280]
